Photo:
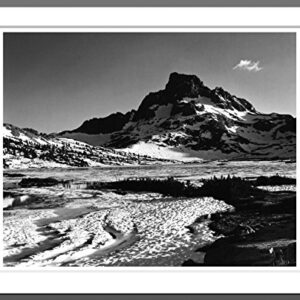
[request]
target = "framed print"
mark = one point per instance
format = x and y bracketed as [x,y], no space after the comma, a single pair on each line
[147,146]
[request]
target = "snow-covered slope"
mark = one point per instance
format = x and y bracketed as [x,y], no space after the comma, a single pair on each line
[26,148]
[188,120]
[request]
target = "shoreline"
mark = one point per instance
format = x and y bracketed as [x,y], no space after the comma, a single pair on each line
[175,163]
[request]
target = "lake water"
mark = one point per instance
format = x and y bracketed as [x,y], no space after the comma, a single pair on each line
[184,171]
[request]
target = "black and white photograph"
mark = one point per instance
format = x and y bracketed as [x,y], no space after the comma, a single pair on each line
[149,149]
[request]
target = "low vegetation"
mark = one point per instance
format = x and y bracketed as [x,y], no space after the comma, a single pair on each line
[225,188]
[13,175]
[39,182]
[274,180]
[229,188]
[233,190]
[168,187]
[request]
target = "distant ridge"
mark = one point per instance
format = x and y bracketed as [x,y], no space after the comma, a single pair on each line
[27,148]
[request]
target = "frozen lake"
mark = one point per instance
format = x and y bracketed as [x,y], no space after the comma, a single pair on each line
[184,171]
[74,226]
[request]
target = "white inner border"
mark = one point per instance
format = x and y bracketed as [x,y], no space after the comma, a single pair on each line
[149,279]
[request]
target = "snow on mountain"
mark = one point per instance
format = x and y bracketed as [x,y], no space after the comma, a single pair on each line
[189,121]
[27,148]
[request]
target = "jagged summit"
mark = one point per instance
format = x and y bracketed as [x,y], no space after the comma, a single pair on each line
[179,87]
[224,99]
[192,89]
[189,118]
[183,85]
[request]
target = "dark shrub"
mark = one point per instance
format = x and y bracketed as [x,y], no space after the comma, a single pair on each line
[274,180]
[29,182]
[169,186]
[13,175]
[228,188]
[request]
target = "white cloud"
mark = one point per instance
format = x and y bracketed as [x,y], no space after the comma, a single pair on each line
[248,65]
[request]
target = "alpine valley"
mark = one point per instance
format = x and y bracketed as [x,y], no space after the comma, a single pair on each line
[194,177]
[186,121]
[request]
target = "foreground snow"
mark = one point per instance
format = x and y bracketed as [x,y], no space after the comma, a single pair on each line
[82,237]
[70,224]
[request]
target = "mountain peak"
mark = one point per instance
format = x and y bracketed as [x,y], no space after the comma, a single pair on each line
[189,117]
[177,79]
[183,85]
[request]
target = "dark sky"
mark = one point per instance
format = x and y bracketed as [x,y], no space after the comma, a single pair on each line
[55,81]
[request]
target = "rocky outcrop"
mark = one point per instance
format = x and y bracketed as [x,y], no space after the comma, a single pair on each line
[265,248]
[260,231]
[225,100]
[112,123]
[224,252]
[178,87]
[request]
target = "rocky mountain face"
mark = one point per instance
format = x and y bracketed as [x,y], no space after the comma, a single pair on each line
[111,123]
[187,120]
[27,148]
